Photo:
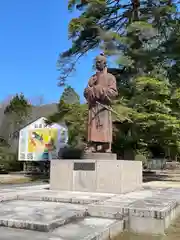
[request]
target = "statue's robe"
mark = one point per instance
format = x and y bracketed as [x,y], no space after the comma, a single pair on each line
[101,88]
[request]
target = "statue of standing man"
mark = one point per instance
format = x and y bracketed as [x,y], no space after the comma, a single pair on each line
[99,93]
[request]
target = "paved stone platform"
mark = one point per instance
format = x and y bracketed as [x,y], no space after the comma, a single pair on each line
[65,215]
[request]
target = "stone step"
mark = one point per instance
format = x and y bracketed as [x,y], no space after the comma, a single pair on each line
[39,216]
[87,229]
[66,197]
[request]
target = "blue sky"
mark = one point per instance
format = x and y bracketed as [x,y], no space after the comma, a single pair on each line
[33,33]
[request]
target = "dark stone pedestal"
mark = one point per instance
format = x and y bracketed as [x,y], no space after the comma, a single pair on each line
[100,156]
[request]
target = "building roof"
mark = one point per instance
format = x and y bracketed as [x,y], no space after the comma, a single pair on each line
[62,124]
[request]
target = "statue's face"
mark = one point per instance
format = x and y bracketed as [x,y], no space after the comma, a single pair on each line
[100,65]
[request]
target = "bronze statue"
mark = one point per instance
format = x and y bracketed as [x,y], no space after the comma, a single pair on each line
[99,93]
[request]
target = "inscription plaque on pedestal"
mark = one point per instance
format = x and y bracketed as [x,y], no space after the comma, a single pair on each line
[84,166]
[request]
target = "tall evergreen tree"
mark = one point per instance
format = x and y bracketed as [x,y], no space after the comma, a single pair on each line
[110,23]
[70,96]
[17,112]
[143,37]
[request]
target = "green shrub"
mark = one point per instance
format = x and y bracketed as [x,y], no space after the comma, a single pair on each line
[9,162]
[71,153]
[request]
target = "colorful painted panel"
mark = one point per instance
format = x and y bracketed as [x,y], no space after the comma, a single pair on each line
[42,141]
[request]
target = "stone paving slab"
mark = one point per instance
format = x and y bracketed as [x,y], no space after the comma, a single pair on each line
[134,204]
[40,186]
[25,188]
[90,229]
[112,211]
[166,193]
[66,197]
[87,229]
[168,196]
[16,194]
[152,208]
[117,206]
[21,234]
[142,194]
[40,216]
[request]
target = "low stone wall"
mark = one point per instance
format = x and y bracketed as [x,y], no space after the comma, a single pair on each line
[96,175]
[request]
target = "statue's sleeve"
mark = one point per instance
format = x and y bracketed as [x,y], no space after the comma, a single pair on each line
[88,91]
[111,91]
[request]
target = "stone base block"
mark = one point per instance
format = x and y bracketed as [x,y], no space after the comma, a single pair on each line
[96,176]
[152,216]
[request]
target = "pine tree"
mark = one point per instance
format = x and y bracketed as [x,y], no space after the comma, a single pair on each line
[70,96]
[17,112]
[108,23]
